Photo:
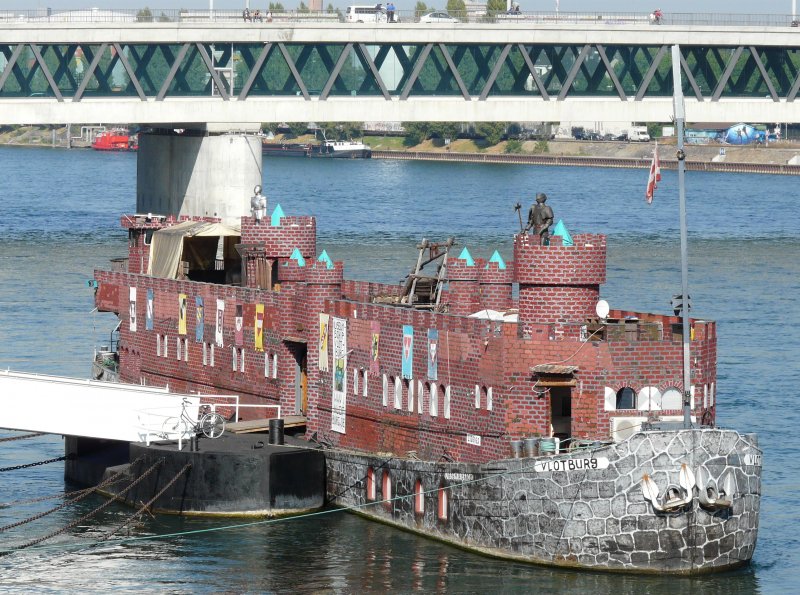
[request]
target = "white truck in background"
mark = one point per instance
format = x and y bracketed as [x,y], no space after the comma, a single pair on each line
[638,133]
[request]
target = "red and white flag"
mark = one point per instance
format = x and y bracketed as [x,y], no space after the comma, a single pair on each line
[655,176]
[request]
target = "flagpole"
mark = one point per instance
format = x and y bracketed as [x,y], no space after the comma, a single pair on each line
[680,120]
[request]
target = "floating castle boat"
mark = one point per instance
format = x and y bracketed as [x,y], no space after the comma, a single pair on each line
[498,406]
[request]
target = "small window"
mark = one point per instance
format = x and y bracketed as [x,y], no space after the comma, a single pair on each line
[489,399]
[371,492]
[241,360]
[178,345]
[355,381]
[671,399]
[442,504]
[266,365]
[148,236]
[626,398]
[711,396]
[398,393]
[386,490]
[158,345]
[166,345]
[477,397]
[446,401]
[705,396]
[186,350]
[211,358]
[274,365]
[234,363]
[364,383]
[385,391]
[420,397]
[419,498]
[434,411]
[205,353]
[410,393]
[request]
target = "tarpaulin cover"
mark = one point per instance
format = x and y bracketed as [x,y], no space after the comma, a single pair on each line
[166,249]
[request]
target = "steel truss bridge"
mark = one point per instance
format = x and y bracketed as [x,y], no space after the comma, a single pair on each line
[234,72]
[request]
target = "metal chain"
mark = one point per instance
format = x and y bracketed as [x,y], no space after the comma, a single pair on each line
[81,494]
[146,506]
[103,506]
[23,437]
[16,467]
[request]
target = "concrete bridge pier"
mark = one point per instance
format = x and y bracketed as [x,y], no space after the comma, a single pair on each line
[206,171]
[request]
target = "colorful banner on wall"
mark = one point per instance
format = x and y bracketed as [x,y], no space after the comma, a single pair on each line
[259,327]
[433,354]
[220,323]
[183,304]
[324,328]
[339,397]
[238,336]
[200,319]
[374,352]
[132,310]
[148,316]
[408,350]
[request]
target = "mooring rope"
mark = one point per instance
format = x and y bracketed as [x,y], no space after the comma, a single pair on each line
[91,513]
[22,437]
[80,495]
[146,506]
[27,465]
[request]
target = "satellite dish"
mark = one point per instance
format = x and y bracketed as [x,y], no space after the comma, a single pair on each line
[602,308]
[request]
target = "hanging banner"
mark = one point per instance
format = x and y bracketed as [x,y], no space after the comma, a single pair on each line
[148,318]
[182,307]
[338,401]
[220,322]
[324,327]
[239,330]
[200,319]
[408,350]
[433,353]
[132,310]
[374,363]
[259,327]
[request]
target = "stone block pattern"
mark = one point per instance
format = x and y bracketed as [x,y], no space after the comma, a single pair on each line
[595,518]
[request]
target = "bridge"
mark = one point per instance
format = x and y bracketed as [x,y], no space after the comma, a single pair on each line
[193,69]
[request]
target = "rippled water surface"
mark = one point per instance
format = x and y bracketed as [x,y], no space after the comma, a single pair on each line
[59,219]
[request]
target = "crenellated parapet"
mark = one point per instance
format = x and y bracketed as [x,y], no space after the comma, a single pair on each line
[496,284]
[279,241]
[559,284]
[463,289]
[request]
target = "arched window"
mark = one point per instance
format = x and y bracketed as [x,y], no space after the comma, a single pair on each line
[420,397]
[434,410]
[409,387]
[446,401]
[626,398]
[672,399]
[398,393]
[385,391]
[419,498]
[371,492]
[386,490]
[442,504]
[477,397]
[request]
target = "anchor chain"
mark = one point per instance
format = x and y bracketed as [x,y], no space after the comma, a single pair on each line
[90,514]
[146,507]
[80,495]
[23,437]
[27,465]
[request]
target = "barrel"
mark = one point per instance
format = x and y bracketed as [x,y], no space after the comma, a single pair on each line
[276,431]
[516,448]
[531,447]
[547,446]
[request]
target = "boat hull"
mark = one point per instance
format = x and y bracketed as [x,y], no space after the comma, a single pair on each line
[563,511]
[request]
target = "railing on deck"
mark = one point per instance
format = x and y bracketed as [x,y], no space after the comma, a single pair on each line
[226,17]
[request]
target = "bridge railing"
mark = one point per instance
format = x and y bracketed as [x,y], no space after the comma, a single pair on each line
[227,17]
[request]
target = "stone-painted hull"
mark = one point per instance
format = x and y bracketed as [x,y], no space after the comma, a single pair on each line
[591,518]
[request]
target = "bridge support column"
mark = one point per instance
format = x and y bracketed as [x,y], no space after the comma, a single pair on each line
[197,173]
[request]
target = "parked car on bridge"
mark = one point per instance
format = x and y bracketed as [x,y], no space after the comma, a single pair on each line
[437,17]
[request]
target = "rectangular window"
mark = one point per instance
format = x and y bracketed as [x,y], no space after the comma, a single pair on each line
[447,402]
[241,360]
[274,365]
[355,382]
[205,353]
[398,393]
[420,397]
[385,391]
[166,345]
[178,344]
[410,390]
[477,397]
[711,396]
[364,383]
[211,359]
[705,396]
[234,364]
[186,350]
[489,399]
[266,365]
[158,345]
[434,400]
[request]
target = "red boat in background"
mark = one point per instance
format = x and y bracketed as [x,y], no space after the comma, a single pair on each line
[116,140]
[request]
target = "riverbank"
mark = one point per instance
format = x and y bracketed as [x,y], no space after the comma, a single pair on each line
[776,158]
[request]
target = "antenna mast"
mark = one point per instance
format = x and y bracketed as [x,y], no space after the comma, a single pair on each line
[680,121]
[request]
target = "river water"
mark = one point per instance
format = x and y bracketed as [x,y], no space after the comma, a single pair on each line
[59,219]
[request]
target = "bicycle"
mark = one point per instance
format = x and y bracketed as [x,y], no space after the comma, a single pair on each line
[210,423]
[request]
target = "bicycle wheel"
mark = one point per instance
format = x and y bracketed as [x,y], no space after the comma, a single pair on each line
[212,425]
[174,427]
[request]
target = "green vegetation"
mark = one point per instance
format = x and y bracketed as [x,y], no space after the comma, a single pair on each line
[542,146]
[513,146]
[420,9]
[457,8]
[492,132]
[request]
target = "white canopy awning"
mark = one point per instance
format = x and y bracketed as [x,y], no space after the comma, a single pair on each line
[166,249]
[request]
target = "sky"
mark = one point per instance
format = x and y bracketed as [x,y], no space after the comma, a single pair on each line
[643,6]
